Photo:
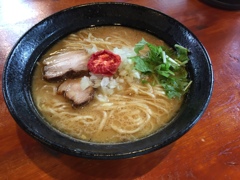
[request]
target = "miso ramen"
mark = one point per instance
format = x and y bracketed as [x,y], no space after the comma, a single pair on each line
[122,106]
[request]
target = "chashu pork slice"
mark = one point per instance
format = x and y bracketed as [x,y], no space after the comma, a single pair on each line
[72,90]
[66,64]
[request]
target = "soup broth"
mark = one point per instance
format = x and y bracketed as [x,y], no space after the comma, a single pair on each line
[128,112]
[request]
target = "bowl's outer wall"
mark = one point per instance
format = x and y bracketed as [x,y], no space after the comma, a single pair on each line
[21,62]
[224,4]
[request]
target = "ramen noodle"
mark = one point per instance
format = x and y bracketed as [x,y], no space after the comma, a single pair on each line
[123,108]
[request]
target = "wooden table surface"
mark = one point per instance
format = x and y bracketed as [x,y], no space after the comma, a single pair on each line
[210,150]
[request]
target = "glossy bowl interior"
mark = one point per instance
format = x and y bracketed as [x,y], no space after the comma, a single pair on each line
[21,62]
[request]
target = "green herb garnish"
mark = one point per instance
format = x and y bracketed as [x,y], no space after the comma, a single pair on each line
[166,66]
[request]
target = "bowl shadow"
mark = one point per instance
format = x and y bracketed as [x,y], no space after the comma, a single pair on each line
[60,166]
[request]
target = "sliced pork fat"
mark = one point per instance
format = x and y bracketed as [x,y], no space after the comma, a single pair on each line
[72,90]
[64,65]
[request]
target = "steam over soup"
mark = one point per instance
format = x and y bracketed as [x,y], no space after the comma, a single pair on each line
[93,86]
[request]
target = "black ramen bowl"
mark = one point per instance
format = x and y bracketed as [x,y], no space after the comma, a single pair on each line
[22,59]
[224,4]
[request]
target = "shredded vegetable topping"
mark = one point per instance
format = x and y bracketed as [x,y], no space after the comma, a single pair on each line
[164,65]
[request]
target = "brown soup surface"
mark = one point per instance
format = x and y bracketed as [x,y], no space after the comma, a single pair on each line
[123,110]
